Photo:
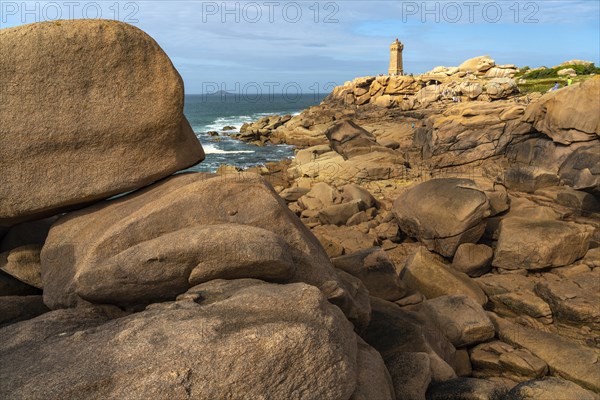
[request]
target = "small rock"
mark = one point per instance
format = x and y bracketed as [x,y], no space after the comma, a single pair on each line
[473,259]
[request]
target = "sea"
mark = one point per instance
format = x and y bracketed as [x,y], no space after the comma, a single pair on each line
[215,111]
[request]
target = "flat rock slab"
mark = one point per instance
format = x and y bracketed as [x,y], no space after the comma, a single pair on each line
[574,300]
[568,360]
[90,108]
[549,388]
[497,358]
[536,244]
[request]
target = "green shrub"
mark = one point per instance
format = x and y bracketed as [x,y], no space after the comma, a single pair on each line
[541,74]
[553,72]
[584,69]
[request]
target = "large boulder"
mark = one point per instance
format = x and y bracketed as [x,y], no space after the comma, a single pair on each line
[349,139]
[411,373]
[443,213]
[568,115]
[395,331]
[374,268]
[477,65]
[499,88]
[538,243]
[469,131]
[460,318]
[222,339]
[154,244]
[581,169]
[374,381]
[427,273]
[90,108]
[473,259]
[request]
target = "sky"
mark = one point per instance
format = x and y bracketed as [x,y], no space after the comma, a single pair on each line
[310,46]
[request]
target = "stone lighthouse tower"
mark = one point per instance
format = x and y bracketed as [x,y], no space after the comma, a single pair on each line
[396,59]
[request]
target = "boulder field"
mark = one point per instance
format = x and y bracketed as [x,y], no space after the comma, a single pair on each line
[416,247]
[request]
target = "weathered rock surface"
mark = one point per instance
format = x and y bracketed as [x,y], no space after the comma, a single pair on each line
[556,351]
[27,233]
[581,170]
[348,139]
[535,244]
[473,259]
[131,250]
[321,195]
[466,389]
[579,201]
[498,88]
[469,132]
[460,318]
[374,381]
[574,300]
[501,359]
[19,308]
[549,388]
[443,213]
[527,178]
[339,214]
[412,374]
[23,263]
[75,120]
[374,268]
[568,115]
[477,64]
[394,331]
[520,304]
[201,346]
[427,273]
[340,240]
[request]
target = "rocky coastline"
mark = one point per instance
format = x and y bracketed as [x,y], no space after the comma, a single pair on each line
[434,237]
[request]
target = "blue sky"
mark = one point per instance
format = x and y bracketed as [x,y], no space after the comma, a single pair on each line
[288,45]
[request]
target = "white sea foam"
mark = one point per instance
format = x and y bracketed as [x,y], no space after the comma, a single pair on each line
[237,121]
[210,148]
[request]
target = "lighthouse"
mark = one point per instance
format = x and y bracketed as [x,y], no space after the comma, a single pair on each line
[396,59]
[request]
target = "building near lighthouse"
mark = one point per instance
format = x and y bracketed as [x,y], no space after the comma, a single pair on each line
[396,67]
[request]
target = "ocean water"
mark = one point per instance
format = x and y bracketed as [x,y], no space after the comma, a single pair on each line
[213,112]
